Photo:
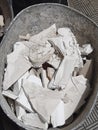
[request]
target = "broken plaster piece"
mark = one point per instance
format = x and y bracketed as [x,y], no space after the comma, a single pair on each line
[20,111]
[17,86]
[67,46]
[65,31]
[40,48]
[32,119]
[69,40]
[9,94]
[44,101]
[27,37]
[23,101]
[58,116]
[17,65]
[33,81]
[44,106]
[37,59]
[43,35]
[54,61]
[50,72]
[63,73]
[1,21]
[11,104]
[86,49]
[45,79]
[79,81]
[74,92]
[66,43]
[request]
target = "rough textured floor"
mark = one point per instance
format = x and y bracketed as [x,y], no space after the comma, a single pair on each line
[88,7]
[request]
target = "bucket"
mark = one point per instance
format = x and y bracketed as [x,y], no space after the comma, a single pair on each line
[33,20]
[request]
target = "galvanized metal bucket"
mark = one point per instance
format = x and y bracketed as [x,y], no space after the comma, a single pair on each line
[33,20]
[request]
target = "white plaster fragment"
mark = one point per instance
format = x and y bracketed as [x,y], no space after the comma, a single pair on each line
[37,59]
[11,104]
[27,37]
[40,49]
[9,94]
[20,111]
[50,72]
[23,101]
[54,61]
[1,21]
[63,73]
[74,92]
[17,86]
[44,35]
[58,116]
[45,79]
[86,49]
[34,121]
[44,101]
[17,65]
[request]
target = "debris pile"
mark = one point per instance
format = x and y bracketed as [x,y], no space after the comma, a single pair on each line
[47,77]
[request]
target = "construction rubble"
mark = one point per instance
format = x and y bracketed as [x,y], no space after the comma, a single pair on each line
[47,77]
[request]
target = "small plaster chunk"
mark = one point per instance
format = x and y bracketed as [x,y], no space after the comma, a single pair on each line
[1,21]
